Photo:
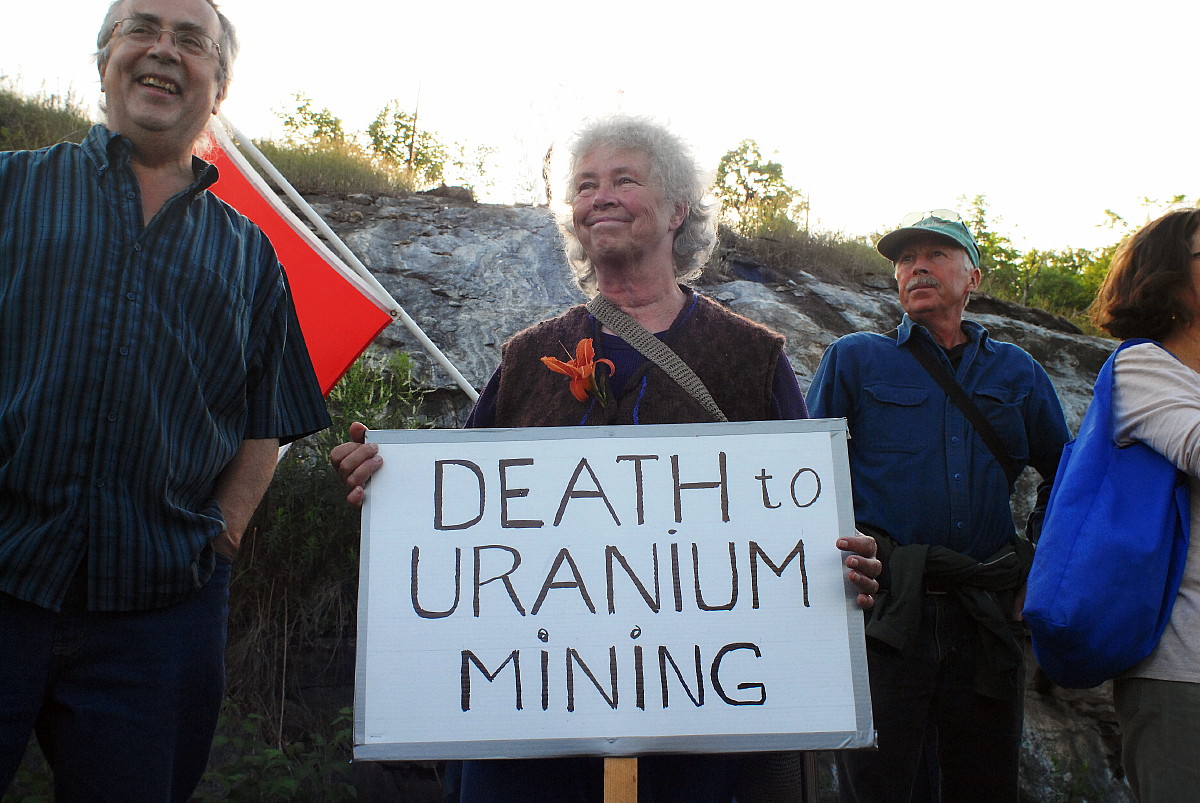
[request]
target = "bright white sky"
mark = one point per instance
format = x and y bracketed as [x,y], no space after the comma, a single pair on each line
[1054,109]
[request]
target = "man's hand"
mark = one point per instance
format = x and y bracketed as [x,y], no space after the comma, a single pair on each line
[864,567]
[355,462]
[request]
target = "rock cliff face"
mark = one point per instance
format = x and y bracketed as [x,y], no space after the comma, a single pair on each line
[471,275]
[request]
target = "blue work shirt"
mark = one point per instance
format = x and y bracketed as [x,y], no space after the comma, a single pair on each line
[920,472]
[134,360]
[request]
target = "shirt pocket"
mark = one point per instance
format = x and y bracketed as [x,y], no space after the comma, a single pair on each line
[1004,409]
[896,418]
[197,340]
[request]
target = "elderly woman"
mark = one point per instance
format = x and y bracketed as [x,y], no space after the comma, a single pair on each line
[639,227]
[1152,291]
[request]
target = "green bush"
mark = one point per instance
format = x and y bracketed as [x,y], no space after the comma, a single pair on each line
[251,769]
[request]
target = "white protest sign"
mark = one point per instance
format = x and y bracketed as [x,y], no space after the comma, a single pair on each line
[609,591]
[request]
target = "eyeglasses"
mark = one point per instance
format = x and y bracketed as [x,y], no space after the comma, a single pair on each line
[948,215]
[146,33]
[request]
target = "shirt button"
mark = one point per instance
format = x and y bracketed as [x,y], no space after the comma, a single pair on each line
[954,439]
[137,247]
[130,296]
[960,525]
[956,476]
[100,483]
[124,351]
[112,416]
[131,195]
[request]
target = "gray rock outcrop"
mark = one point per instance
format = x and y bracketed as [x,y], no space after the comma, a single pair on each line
[473,274]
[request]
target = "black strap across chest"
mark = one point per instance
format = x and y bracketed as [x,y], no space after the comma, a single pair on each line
[934,367]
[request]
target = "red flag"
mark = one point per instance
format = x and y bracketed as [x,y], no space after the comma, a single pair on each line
[340,313]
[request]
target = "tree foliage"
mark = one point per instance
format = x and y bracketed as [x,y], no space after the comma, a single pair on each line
[1154,208]
[393,146]
[308,126]
[1062,281]
[399,144]
[1067,280]
[472,166]
[1006,273]
[755,196]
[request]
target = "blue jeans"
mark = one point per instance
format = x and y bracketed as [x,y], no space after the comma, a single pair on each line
[124,704]
[931,684]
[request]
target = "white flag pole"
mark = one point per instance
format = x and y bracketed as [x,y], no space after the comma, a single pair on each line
[355,269]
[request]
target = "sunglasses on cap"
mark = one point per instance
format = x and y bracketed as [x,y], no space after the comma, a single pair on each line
[948,215]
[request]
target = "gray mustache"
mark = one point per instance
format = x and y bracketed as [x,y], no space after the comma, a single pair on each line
[921,281]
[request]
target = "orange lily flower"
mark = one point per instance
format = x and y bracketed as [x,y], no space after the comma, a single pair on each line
[582,370]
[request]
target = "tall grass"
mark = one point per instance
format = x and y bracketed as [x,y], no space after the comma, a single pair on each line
[28,122]
[334,169]
[31,122]
[829,257]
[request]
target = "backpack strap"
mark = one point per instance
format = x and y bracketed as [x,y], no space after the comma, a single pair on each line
[654,350]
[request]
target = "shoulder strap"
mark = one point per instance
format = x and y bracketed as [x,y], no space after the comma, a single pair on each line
[654,350]
[962,401]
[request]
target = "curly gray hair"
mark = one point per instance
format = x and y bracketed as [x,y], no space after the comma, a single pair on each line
[228,42]
[672,165]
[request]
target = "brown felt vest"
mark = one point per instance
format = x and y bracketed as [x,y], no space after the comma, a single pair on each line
[733,356]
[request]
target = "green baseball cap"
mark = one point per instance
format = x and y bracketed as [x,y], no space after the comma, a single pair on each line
[942,222]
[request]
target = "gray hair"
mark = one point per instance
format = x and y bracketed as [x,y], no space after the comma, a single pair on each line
[228,42]
[672,166]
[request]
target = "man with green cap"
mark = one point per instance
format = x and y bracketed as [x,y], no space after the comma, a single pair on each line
[931,479]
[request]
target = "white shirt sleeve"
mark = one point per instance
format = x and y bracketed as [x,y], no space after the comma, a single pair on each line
[1156,400]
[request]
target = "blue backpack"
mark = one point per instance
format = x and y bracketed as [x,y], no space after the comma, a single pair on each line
[1111,553]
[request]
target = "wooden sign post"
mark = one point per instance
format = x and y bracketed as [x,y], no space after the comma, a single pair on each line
[620,780]
[609,591]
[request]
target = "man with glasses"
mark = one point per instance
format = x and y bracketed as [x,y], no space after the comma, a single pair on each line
[152,365]
[942,419]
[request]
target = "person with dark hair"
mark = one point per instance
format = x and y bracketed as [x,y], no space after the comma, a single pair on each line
[152,365]
[1152,291]
[639,225]
[942,420]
